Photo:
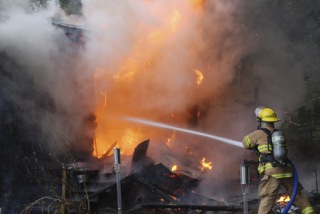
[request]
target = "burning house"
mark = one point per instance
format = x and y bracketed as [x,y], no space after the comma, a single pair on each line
[71,81]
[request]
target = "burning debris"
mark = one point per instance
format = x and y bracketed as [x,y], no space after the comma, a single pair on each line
[147,188]
[153,187]
[281,204]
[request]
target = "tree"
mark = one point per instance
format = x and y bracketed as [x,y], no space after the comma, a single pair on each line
[302,130]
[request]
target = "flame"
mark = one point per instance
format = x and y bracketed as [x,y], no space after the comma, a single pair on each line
[174,168]
[171,139]
[199,76]
[95,149]
[205,165]
[198,4]
[284,199]
[131,85]
[127,71]
[175,19]
[104,95]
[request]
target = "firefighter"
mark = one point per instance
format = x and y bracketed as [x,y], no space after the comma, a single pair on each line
[274,173]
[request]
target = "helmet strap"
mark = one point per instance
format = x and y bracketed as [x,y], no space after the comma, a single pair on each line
[259,123]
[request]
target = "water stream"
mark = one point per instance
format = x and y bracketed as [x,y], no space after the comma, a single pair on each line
[165,126]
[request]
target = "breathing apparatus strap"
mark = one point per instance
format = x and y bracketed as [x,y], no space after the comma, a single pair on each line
[267,158]
[269,134]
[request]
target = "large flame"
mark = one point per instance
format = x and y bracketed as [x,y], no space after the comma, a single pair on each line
[135,87]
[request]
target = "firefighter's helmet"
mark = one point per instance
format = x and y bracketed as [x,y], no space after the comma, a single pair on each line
[266,114]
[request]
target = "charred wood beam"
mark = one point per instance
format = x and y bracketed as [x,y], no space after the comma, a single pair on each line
[193,207]
[92,196]
[153,188]
[74,32]
[157,190]
[139,157]
[105,155]
[60,23]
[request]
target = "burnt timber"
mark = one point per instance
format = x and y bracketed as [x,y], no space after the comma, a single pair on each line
[149,188]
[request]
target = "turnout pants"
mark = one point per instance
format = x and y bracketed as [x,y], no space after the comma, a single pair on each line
[268,192]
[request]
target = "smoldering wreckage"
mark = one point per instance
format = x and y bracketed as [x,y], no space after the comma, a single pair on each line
[144,187]
[148,188]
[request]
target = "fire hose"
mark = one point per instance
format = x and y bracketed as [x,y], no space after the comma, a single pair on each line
[295,188]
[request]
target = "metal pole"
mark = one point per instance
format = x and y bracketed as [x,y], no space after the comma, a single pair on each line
[245,181]
[117,164]
[63,191]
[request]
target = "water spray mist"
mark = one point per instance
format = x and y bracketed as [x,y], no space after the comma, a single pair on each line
[161,125]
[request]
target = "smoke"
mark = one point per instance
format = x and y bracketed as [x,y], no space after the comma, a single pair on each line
[39,78]
[139,59]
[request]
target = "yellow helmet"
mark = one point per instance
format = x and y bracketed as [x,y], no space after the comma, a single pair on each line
[268,115]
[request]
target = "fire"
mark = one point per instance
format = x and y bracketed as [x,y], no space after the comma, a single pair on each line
[198,3]
[174,168]
[127,71]
[171,139]
[284,199]
[142,76]
[95,149]
[199,76]
[205,165]
[126,141]
[104,95]
[175,19]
